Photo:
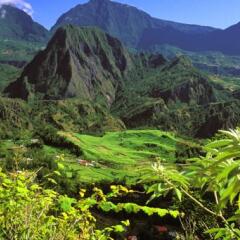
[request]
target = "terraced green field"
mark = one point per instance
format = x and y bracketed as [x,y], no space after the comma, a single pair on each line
[117,157]
[123,156]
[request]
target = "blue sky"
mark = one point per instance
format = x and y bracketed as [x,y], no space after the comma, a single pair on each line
[217,13]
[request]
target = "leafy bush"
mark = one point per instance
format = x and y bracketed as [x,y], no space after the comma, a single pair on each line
[216,175]
[32,210]
[27,211]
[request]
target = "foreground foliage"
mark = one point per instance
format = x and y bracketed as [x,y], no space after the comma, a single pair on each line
[30,211]
[27,211]
[216,179]
[204,195]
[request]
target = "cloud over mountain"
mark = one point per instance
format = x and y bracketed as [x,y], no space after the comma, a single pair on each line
[21,4]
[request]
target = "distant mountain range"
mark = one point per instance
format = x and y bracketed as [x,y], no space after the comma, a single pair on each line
[135,28]
[21,38]
[225,41]
[139,30]
[122,21]
[18,25]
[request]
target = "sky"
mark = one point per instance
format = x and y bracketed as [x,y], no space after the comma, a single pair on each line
[216,13]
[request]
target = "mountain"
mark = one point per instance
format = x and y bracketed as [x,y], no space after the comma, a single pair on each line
[20,39]
[176,96]
[78,63]
[8,74]
[139,30]
[215,63]
[225,41]
[122,21]
[15,24]
[85,66]
[14,55]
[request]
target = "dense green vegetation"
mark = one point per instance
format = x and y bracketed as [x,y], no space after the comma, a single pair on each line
[97,142]
[212,62]
[119,89]
[215,174]
[8,74]
[124,156]
[14,51]
[120,157]
[29,211]
[209,184]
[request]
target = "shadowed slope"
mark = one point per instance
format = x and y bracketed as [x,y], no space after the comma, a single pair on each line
[83,63]
[15,24]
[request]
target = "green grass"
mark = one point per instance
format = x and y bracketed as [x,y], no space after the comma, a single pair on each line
[122,156]
[118,157]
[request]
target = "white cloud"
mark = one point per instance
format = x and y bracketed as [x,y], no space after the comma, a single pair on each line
[21,4]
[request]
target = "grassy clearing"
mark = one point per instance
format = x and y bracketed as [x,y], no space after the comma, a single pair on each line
[122,156]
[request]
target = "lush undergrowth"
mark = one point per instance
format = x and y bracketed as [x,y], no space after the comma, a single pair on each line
[175,197]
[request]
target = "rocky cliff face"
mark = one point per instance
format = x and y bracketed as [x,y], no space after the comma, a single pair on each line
[183,84]
[77,63]
[175,96]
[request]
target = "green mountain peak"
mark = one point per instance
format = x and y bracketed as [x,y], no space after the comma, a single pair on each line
[83,63]
[15,24]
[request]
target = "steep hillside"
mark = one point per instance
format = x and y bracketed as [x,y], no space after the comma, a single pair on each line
[20,39]
[83,63]
[122,21]
[19,118]
[178,97]
[15,24]
[142,90]
[139,30]
[8,74]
